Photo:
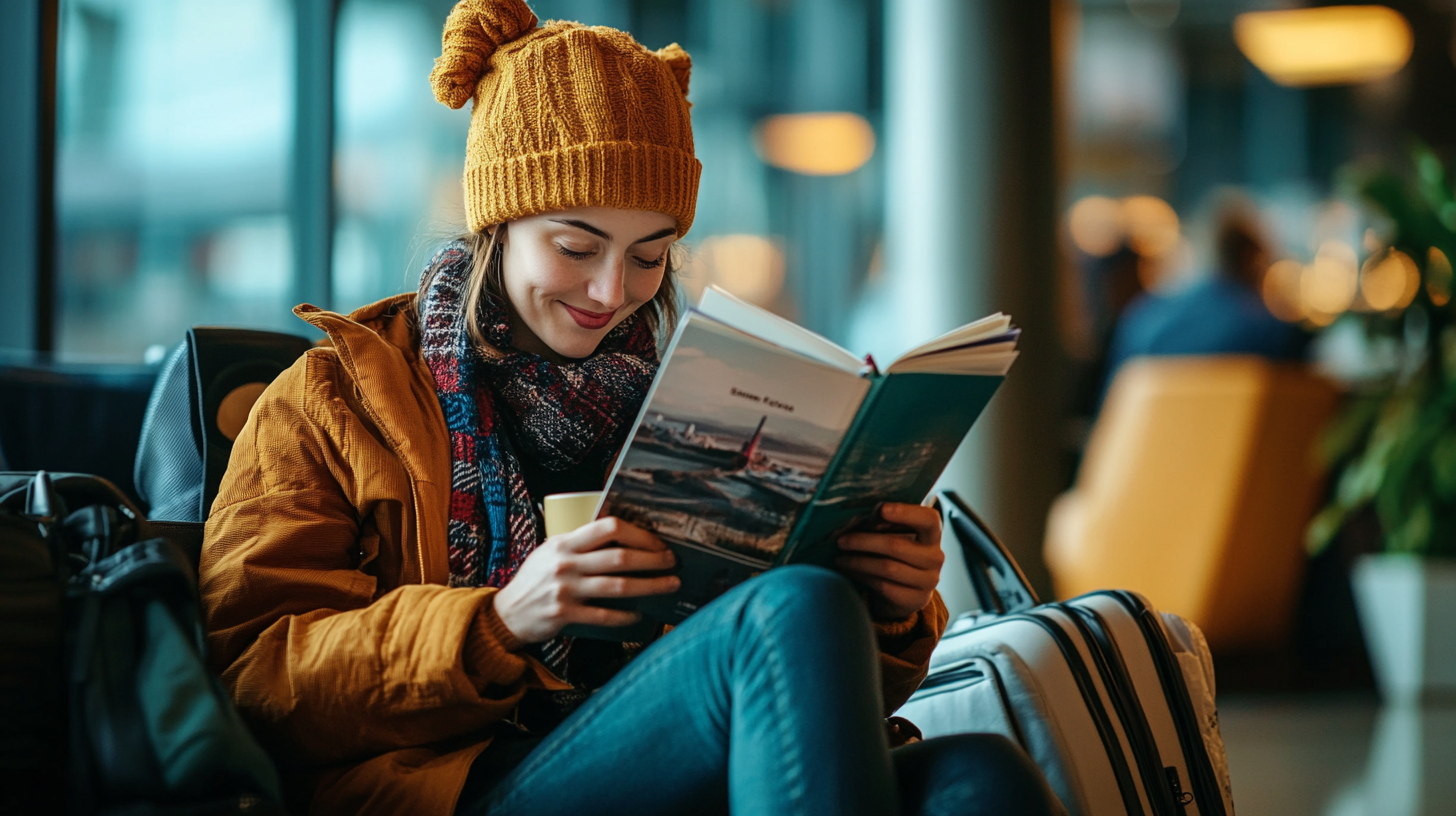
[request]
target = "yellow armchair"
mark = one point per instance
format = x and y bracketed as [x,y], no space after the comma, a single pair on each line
[1195,490]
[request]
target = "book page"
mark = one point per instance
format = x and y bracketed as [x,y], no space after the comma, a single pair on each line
[988,326]
[732,443]
[987,346]
[992,360]
[728,309]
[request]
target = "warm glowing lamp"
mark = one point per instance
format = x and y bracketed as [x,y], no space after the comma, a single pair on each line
[1333,45]
[815,144]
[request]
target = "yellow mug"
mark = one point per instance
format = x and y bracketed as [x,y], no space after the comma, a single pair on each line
[567,511]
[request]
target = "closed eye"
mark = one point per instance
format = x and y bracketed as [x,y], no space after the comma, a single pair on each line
[573,254]
[646,264]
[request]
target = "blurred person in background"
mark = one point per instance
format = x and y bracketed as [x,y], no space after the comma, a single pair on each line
[1220,313]
[381,599]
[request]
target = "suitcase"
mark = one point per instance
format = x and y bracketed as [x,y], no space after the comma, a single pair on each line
[1111,699]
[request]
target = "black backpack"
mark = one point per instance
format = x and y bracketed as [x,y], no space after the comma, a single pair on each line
[102,679]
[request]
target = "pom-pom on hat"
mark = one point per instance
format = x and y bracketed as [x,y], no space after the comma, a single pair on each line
[566,115]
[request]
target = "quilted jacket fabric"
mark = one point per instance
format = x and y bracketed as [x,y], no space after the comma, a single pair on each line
[324,575]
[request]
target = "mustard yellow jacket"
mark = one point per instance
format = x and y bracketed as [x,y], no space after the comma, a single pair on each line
[324,575]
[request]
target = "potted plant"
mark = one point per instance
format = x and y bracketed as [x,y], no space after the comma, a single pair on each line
[1393,447]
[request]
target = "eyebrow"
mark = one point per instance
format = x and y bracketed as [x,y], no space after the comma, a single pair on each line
[582,225]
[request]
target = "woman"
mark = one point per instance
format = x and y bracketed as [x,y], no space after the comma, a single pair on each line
[380,599]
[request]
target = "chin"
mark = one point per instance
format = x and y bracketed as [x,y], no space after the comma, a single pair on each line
[576,342]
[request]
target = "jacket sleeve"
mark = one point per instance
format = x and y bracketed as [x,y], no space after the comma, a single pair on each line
[323,670]
[905,648]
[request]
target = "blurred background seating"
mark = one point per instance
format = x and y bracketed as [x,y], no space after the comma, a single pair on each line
[72,417]
[1196,488]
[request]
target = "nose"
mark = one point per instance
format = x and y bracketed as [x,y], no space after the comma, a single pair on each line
[607,286]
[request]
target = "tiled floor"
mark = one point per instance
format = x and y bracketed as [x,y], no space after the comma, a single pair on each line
[1338,755]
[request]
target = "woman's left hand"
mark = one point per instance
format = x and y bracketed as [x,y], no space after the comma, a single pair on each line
[900,569]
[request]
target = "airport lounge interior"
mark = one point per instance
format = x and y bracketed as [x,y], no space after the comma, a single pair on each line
[262,557]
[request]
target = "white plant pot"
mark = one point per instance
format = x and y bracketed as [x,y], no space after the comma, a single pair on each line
[1408,614]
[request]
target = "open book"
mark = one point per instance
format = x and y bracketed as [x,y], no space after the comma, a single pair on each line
[761,442]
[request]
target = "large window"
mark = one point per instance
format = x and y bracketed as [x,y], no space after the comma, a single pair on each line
[174,127]
[180,131]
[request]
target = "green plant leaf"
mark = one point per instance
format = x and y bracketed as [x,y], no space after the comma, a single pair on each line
[1413,533]
[1350,430]
[1323,528]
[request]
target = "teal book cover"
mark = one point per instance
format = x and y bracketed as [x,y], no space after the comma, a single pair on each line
[908,428]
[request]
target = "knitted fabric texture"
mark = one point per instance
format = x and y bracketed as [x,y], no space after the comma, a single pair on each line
[566,115]
[501,404]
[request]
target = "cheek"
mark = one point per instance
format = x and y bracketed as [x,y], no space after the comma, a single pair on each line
[642,286]
[541,274]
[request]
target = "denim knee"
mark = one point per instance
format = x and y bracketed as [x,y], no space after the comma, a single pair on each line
[804,591]
[804,599]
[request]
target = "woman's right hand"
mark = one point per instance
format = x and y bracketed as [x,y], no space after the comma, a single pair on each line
[557,580]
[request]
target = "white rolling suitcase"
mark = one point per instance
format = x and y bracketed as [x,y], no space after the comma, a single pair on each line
[1111,699]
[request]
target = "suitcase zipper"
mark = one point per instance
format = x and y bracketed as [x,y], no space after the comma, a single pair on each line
[1132,803]
[962,670]
[1207,795]
[1129,709]
[939,683]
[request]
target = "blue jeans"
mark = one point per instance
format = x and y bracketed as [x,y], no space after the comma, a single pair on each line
[767,701]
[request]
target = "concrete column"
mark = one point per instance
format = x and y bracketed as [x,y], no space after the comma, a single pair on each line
[969,230]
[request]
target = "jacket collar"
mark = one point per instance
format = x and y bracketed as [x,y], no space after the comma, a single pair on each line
[379,348]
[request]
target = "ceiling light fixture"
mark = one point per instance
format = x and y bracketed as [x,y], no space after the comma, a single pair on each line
[1333,45]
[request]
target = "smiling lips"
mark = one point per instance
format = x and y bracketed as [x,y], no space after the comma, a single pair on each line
[588,320]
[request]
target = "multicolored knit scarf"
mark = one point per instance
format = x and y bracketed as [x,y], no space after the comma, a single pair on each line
[502,404]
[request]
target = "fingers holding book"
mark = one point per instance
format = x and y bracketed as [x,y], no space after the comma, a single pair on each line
[557,581]
[898,559]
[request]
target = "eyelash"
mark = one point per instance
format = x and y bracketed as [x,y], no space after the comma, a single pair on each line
[581,256]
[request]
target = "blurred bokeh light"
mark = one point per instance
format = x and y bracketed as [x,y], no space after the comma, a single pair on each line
[1329,284]
[1325,46]
[815,144]
[1281,290]
[1096,225]
[1438,277]
[749,266]
[1388,281]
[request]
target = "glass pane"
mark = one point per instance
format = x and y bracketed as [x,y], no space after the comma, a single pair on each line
[398,153]
[175,125]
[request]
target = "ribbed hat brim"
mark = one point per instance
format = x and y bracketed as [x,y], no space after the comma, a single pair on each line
[622,175]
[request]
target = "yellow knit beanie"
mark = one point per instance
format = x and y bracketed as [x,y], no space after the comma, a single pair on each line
[566,115]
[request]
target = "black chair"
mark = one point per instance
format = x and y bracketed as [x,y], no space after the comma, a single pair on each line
[198,406]
[72,417]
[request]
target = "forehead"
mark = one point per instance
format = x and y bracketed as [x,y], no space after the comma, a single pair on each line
[630,224]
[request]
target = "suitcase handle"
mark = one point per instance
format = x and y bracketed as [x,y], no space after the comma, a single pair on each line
[1000,586]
